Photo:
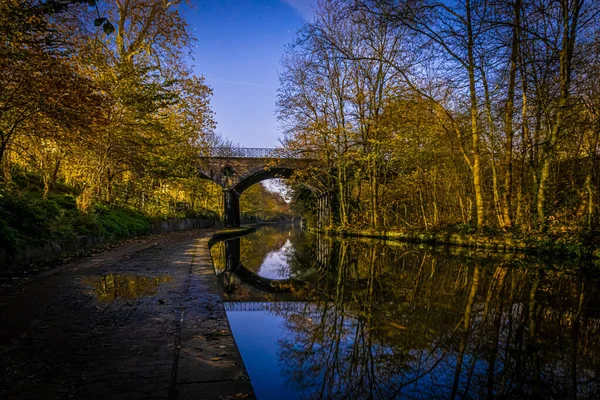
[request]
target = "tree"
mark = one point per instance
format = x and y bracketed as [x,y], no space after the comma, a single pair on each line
[498,86]
[36,83]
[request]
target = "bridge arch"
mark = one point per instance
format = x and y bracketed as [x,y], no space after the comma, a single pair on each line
[263,175]
[232,196]
[236,169]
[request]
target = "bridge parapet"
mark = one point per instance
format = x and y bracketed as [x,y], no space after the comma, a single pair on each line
[239,167]
[257,152]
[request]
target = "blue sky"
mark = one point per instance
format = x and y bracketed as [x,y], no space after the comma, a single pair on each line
[239,48]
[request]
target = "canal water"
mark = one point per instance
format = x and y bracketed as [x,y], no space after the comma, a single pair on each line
[317,317]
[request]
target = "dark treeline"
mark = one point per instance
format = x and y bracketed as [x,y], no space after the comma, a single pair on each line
[427,114]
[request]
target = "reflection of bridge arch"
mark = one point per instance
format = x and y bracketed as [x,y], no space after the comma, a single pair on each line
[236,169]
[265,284]
[234,264]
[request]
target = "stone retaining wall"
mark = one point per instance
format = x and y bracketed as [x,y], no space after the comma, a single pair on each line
[55,249]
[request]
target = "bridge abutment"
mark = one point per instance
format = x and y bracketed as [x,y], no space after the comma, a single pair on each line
[231,202]
[323,215]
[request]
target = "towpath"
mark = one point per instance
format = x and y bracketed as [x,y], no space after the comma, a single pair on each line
[141,321]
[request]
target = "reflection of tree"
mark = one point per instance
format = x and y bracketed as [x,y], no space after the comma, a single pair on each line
[256,246]
[110,287]
[407,322]
[400,323]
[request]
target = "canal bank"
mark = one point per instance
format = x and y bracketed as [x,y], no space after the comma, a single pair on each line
[143,320]
[498,242]
[53,250]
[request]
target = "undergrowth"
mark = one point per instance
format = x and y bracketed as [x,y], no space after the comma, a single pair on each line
[26,219]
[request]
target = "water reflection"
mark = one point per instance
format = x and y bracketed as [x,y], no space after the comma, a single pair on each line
[274,259]
[275,265]
[403,322]
[111,287]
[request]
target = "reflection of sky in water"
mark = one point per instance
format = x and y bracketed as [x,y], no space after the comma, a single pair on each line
[257,335]
[275,265]
[270,348]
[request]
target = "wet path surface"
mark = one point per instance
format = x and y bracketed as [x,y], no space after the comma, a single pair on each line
[144,320]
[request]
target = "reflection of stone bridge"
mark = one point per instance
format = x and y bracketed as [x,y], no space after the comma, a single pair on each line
[236,169]
[273,306]
[234,265]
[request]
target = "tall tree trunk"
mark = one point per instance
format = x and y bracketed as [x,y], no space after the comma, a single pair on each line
[569,29]
[342,182]
[520,218]
[498,207]
[477,181]
[508,119]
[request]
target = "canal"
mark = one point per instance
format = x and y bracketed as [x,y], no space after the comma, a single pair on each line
[318,317]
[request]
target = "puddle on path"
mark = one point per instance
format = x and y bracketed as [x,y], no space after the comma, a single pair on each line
[111,287]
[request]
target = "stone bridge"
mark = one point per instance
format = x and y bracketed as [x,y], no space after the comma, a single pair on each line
[235,169]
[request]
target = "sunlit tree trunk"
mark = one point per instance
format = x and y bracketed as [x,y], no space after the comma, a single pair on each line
[477,183]
[570,16]
[492,128]
[508,118]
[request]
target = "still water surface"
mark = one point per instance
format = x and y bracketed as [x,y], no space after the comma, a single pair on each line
[318,317]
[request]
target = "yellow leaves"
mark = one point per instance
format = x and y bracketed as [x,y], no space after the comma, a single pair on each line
[397,326]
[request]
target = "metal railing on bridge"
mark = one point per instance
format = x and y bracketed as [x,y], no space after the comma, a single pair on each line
[257,152]
[274,306]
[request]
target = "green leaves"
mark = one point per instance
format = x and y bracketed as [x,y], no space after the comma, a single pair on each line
[71,89]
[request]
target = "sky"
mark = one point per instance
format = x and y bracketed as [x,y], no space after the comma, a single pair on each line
[240,44]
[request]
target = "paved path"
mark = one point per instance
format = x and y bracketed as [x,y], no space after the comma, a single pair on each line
[141,321]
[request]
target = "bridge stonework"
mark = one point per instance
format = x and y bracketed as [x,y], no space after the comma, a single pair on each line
[235,170]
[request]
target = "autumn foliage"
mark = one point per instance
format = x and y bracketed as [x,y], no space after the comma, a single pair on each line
[474,114]
[99,109]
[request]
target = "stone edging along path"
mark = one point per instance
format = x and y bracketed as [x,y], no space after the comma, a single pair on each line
[140,321]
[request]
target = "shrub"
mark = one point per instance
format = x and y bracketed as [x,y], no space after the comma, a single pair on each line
[28,218]
[120,222]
